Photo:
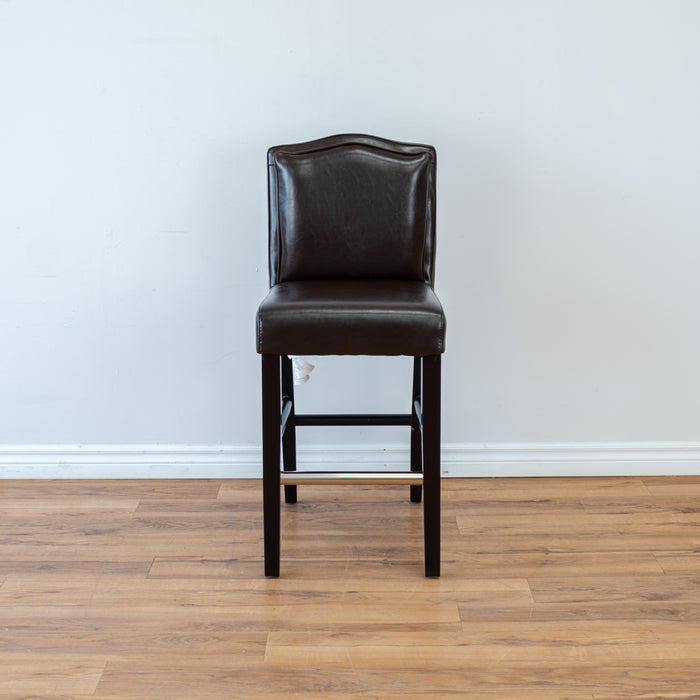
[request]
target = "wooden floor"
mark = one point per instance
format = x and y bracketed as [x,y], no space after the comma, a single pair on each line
[551,588]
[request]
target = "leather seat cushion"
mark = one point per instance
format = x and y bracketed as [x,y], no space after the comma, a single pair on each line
[351,317]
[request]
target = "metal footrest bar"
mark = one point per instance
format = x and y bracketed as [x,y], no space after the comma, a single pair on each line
[357,478]
[353,419]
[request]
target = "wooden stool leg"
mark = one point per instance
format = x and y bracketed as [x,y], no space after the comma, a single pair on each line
[431,463]
[271,461]
[416,436]
[289,442]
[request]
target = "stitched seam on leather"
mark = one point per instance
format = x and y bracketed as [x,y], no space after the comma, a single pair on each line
[426,232]
[353,312]
[278,234]
[372,147]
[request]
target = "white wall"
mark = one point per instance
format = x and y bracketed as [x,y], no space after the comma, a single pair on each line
[133,217]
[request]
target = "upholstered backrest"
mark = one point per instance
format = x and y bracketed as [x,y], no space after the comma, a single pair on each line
[352,207]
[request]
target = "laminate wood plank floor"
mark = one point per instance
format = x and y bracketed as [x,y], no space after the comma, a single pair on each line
[577,588]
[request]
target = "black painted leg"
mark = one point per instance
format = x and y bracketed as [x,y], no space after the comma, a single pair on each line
[416,437]
[431,463]
[289,441]
[271,461]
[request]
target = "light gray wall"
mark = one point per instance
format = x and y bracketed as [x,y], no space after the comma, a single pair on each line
[133,216]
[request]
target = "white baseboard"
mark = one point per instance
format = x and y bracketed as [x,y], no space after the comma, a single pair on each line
[243,461]
[572,459]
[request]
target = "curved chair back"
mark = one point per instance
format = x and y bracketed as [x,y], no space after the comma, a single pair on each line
[351,207]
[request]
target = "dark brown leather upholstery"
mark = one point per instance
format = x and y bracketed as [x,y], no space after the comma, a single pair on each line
[351,250]
[351,317]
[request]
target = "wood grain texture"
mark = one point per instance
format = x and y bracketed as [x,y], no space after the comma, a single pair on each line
[587,589]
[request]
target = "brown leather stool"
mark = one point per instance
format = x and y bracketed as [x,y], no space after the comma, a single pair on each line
[352,259]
